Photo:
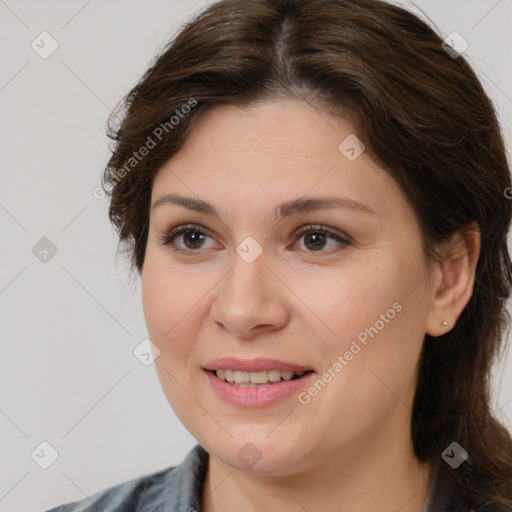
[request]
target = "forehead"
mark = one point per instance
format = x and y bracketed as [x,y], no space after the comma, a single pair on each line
[273,152]
[268,131]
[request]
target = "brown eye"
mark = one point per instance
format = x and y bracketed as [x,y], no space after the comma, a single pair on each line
[317,238]
[193,239]
[315,241]
[186,239]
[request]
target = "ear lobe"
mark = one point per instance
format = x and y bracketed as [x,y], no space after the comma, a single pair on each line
[457,276]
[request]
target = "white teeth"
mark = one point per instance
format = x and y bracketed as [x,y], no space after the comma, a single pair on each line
[242,377]
[256,377]
[251,379]
[274,375]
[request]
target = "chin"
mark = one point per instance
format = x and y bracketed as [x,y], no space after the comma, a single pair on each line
[258,454]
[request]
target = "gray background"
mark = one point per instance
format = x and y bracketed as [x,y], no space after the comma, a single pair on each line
[69,325]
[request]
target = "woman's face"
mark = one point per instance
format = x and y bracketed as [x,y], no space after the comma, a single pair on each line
[337,288]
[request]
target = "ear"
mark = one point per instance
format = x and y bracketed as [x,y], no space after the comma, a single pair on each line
[454,279]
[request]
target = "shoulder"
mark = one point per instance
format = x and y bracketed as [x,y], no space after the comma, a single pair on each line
[122,497]
[170,488]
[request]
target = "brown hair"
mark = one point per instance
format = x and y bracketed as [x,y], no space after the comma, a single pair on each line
[423,116]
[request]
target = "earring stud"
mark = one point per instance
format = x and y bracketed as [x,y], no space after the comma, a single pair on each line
[445,323]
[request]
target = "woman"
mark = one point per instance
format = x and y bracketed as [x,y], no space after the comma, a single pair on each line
[314,193]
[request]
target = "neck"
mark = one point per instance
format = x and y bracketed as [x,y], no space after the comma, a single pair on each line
[354,479]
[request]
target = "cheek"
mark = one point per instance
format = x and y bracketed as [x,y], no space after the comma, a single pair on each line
[156,299]
[175,306]
[171,303]
[169,297]
[373,323]
[352,301]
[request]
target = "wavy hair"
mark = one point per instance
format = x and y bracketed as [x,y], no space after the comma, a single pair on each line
[423,116]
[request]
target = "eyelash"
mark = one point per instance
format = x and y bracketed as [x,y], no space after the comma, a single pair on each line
[168,238]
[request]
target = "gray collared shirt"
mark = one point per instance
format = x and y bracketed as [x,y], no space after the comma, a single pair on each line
[180,489]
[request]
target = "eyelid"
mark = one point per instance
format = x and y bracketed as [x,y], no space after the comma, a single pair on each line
[167,237]
[342,239]
[323,229]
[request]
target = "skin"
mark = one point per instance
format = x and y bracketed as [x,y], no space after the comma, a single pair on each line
[349,448]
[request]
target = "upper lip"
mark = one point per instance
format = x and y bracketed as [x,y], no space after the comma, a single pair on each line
[253,365]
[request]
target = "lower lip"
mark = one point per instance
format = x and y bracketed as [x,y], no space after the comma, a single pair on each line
[260,396]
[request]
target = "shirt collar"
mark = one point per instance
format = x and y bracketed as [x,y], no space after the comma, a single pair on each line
[181,489]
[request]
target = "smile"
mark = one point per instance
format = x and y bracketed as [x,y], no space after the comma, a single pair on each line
[256,379]
[242,392]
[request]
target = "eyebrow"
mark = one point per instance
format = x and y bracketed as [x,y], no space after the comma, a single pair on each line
[286,209]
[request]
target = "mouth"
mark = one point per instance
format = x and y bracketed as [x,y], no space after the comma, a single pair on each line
[258,382]
[256,388]
[257,379]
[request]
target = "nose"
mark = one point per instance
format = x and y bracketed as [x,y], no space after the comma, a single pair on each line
[250,300]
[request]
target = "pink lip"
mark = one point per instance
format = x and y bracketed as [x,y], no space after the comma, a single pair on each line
[261,396]
[253,365]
